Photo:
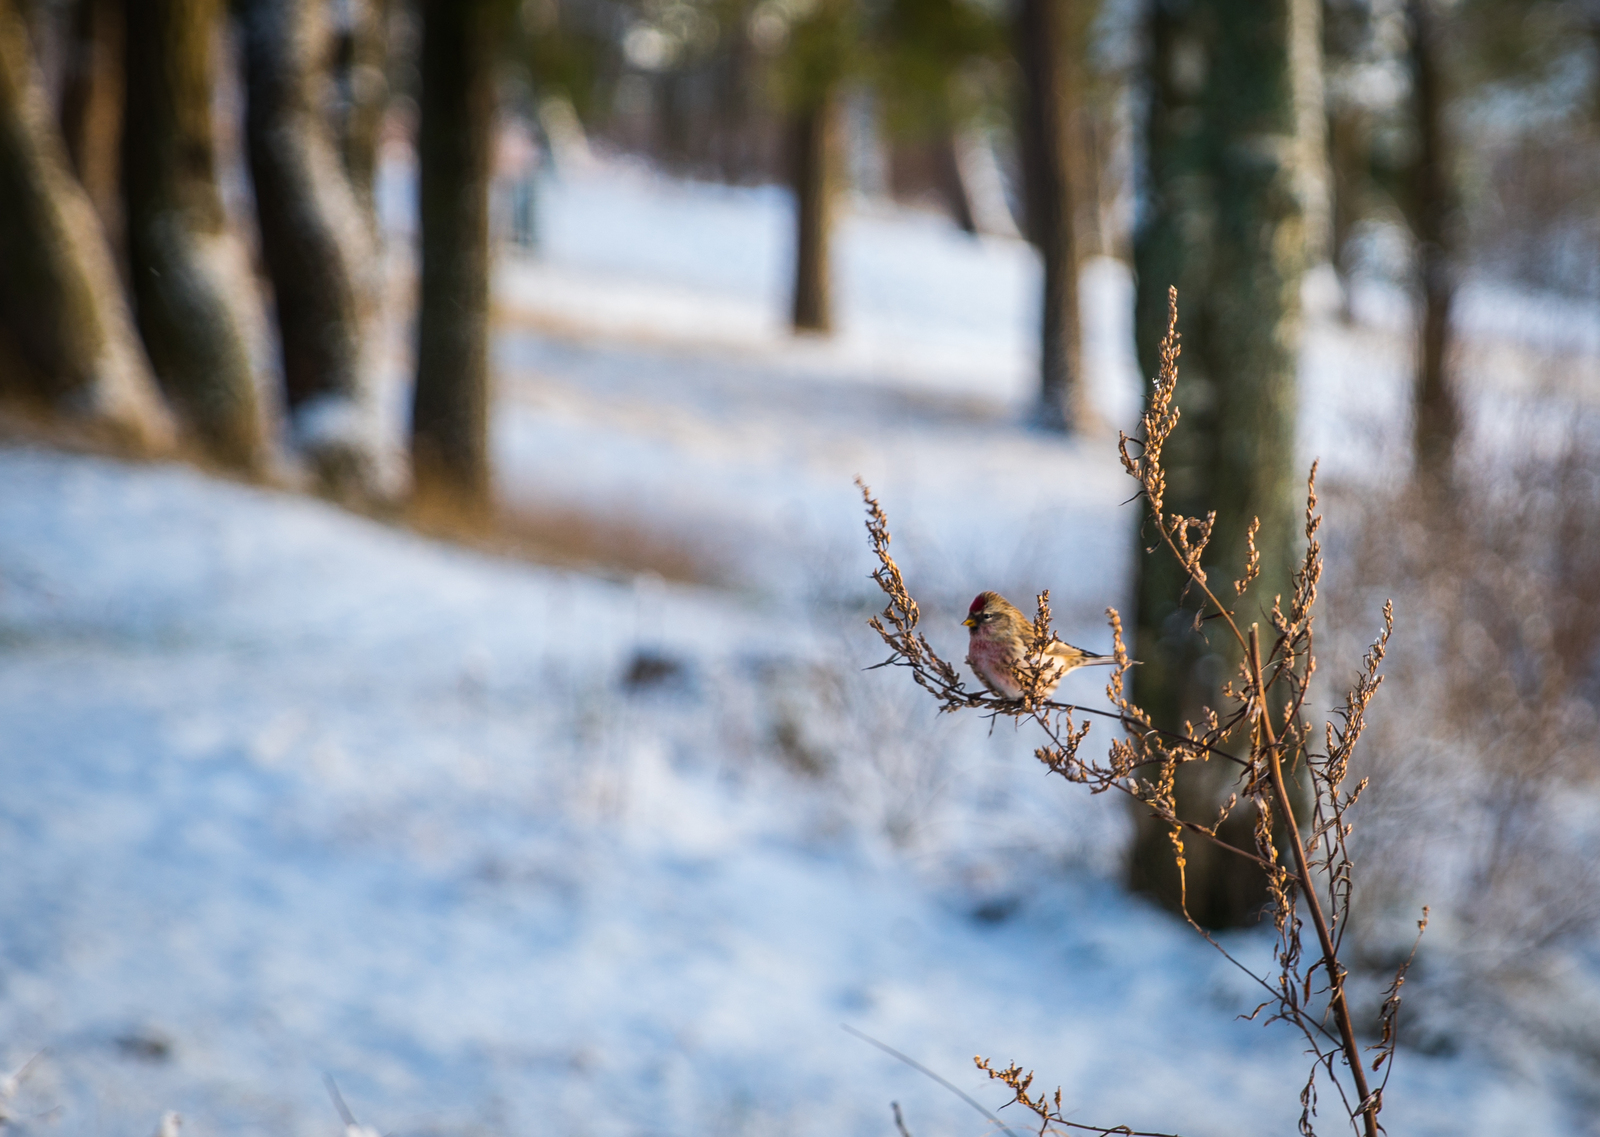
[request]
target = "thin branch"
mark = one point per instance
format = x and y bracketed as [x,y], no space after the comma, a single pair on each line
[899,1122]
[1368,1105]
[921,1069]
[1049,1117]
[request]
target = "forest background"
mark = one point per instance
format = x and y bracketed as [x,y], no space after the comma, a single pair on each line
[435,262]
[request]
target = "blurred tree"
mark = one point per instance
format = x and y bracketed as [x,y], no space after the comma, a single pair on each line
[1433,209]
[740,149]
[361,94]
[936,62]
[315,240]
[194,293]
[66,336]
[574,53]
[450,405]
[1224,220]
[1051,45]
[1454,52]
[1309,97]
[1354,59]
[1396,152]
[91,104]
[814,161]
[821,51]
[936,55]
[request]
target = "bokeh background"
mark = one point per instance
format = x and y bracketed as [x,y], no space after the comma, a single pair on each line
[432,589]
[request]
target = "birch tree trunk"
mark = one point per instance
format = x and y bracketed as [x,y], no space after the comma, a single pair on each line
[1225,223]
[450,407]
[193,291]
[316,243]
[67,340]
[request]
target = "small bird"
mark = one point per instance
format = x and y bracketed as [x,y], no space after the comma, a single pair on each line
[999,641]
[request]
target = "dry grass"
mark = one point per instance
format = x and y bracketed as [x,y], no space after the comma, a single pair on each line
[1488,782]
[606,543]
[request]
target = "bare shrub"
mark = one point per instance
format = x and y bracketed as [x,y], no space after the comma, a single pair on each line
[1489,781]
[892,764]
[1263,718]
[875,758]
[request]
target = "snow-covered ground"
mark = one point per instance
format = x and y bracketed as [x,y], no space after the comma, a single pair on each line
[512,849]
[646,370]
[290,793]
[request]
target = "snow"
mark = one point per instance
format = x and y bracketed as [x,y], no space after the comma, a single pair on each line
[628,349]
[290,792]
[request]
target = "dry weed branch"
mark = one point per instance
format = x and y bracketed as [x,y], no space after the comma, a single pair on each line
[899,1121]
[1048,1109]
[927,1073]
[1263,718]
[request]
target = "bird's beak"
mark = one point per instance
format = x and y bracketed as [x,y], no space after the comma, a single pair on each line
[969,622]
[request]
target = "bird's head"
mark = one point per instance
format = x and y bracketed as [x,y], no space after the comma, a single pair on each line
[988,609]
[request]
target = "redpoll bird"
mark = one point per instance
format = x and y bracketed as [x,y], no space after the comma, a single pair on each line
[999,642]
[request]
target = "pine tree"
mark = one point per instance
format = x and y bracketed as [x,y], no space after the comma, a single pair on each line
[1225,223]
[450,405]
[67,341]
[195,297]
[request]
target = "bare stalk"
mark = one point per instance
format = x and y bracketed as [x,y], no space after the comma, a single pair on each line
[1262,716]
[1330,956]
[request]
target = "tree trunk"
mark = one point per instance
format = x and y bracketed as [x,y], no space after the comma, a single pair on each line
[1349,147]
[1224,221]
[952,182]
[738,159]
[813,159]
[450,410]
[314,239]
[66,336]
[1053,156]
[193,290]
[1315,178]
[360,59]
[1435,220]
[91,106]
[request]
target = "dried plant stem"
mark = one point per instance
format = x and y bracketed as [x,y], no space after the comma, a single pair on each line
[927,1073]
[1368,1105]
[899,1121]
[1264,718]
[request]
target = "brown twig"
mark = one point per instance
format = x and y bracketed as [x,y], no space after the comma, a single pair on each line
[925,1072]
[1048,1110]
[899,1122]
[1368,1105]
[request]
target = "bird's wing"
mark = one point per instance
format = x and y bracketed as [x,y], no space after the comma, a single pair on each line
[1069,656]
